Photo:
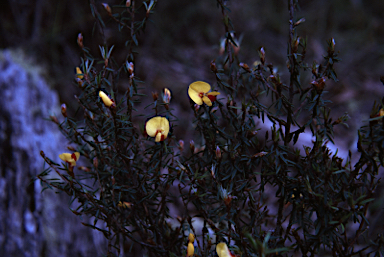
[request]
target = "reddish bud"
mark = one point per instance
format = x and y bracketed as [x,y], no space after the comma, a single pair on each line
[80,40]
[54,119]
[218,153]
[213,66]
[107,8]
[181,145]
[155,96]
[64,110]
[192,146]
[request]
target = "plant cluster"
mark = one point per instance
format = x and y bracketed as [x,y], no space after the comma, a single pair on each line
[237,190]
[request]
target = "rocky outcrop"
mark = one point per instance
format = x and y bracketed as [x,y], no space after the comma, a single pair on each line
[32,222]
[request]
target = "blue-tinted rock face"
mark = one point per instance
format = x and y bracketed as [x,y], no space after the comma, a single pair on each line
[33,223]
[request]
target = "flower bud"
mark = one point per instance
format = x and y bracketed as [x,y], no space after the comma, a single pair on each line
[130,67]
[245,67]
[262,55]
[107,8]
[192,146]
[86,169]
[218,153]
[54,119]
[125,205]
[64,110]
[191,238]
[197,107]
[80,40]
[155,96]
[181,145]
[166,96]
[190,250]
[213,66]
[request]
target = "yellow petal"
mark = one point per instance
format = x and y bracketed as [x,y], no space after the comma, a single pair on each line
[207,101]
[222,250]
[195,96]
[106,100]
[191,237]
[152,126]
[158,137]
[200,86]
[190,249]
[214,93]
[381,113]
[164,127]
[65,157]
[79,73]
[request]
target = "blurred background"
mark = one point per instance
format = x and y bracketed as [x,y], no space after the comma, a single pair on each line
[183,37]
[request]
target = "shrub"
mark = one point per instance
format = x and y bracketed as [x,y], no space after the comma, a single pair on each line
[240,185]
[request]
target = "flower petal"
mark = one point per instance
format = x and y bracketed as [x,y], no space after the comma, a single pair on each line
[214,93]
[106,100]
[207,101]
[164,127]
[195,96]
[190,249]
[222,250]
[200,86]
[153,126]
[159,137]
[65,157]
[191,238]
[79,73]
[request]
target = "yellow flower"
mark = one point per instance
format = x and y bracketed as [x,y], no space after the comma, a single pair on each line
[106,100]
[79,73]
[70,158]
[381,112]
[191,238]
[157,127]
[190,250]
[198,92]
[124,204]
[223,251]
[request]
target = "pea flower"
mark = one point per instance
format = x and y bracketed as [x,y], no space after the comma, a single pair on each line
[190,249]
[223,251]
[198,92]
[125,205]
[191,238]
[106,100]
[157,127]
[79,73]
[70,158]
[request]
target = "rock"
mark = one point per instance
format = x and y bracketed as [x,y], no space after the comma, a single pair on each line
[32,222]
